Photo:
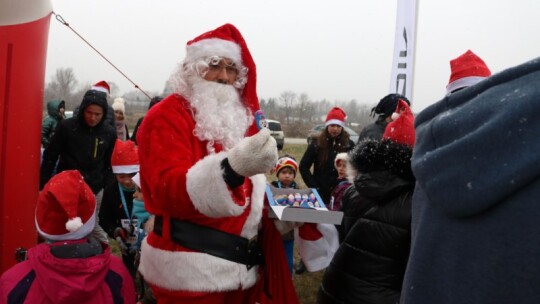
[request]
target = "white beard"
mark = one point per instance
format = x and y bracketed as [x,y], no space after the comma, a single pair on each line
[220,116]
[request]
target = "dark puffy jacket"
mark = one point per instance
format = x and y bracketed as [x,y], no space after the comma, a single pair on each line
[374,130]
[81,147]
[324,177]
[370,264]
[48,125]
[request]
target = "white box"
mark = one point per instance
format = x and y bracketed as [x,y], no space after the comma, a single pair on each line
[303,214]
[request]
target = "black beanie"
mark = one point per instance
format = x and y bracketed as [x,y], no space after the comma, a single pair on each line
[154,101]
[388,105]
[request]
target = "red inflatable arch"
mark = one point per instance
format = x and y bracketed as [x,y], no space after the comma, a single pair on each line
[24,30]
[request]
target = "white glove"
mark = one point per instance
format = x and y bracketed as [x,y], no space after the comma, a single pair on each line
[254,155]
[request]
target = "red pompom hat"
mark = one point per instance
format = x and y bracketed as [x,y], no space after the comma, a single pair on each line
[102,86]
[401,130]
[125,157]
[336,116]
[66,208]
[467,70]
[226,41]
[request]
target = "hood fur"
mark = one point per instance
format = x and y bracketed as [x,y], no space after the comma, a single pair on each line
[372,155]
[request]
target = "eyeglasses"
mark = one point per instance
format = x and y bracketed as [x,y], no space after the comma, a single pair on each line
[216,64]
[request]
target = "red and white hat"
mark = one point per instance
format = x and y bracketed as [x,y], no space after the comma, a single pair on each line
[336,116]
[286,162]
[102,86]
[125,157]
[401,130]
[66,208]
[226,41]
[467,70]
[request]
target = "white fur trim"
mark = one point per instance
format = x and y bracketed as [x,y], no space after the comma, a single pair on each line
[258,193]
[317,254]
[74,224]
[207,188]
[127,169]
[213,47]
[334,122]
[463,82]
[100,89]
[193,271]
[85,230]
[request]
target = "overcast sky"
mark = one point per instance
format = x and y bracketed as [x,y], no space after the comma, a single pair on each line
[334,50]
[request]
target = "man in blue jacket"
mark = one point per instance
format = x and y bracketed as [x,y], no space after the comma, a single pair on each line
[475,231]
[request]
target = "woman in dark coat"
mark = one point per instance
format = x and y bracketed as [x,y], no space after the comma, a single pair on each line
[370,263]
[321,153]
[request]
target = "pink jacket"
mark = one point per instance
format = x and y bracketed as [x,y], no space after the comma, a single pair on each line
[44,278]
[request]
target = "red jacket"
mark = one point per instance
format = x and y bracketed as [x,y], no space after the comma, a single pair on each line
[44,278]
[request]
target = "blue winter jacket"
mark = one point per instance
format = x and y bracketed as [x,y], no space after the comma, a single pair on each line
[476,205]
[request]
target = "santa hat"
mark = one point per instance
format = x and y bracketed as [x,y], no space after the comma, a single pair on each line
[226,41]
[467,70]
[102,86]
[119,104]
[401,129]
[286,162]
[125,157]
[336,116]
[341,157]
[66,208]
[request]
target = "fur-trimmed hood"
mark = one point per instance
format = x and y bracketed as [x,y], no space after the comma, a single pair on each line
[372,155]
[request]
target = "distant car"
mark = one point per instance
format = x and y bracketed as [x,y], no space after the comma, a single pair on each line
[316,131]
[68,114]
[275,130]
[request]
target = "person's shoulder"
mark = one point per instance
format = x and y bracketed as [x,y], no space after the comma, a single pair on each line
[15,274]
[173,111]
[170,105]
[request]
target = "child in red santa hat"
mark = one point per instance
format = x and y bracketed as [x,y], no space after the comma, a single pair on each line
[116,215]
[70,266]
[286,168]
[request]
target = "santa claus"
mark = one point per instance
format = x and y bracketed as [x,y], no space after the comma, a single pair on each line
[202,164]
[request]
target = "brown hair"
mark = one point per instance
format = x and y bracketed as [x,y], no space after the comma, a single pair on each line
[324,140]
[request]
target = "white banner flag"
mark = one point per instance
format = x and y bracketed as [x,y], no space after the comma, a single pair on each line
[402,75]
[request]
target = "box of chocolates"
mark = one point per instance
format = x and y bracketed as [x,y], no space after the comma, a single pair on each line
[300,205]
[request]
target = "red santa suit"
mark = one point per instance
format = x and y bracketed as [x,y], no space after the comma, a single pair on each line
[183,181]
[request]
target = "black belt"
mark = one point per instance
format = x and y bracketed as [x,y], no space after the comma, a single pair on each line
[214,242]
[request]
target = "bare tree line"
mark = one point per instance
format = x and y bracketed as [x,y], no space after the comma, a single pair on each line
[297,112]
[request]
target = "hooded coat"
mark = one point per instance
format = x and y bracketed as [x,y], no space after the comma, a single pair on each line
[48,125]
[46,278]
[81,147]
[475,231]
[369,265]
